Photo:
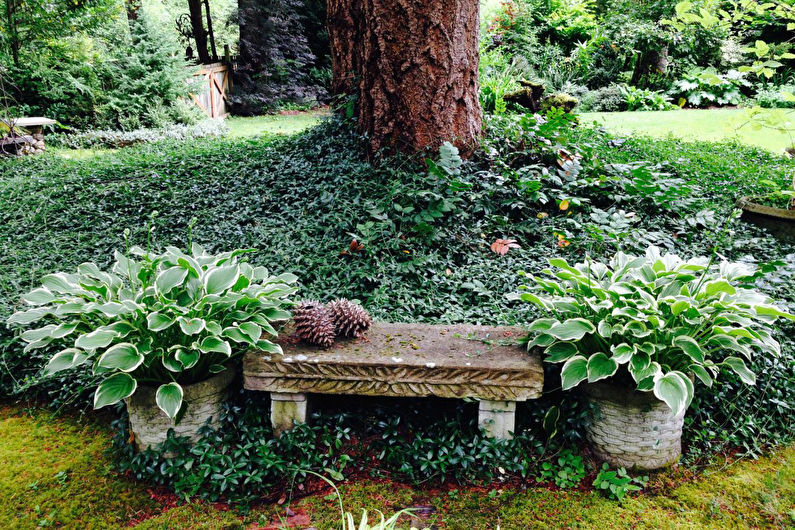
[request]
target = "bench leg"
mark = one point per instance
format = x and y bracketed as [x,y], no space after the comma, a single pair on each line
[497,418]
[286,410]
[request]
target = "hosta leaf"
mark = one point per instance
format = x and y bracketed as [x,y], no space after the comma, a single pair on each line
[220,279]
[59,283]
[542,324]
[123,356]
[622,353]
[600,366]
[649,371]
[574,371]
[114,389]
[671,389]
[268,346]
[169,399]
[33,335]
[214,344]
[702,373]
[30,316]
[573,329]
[171,363]
[560,351]
[719,286]
[690,347]
[604,329]
[740,368]
[170,278]
[40,296]
[65,359]
[99,338]
[251,330]
[639,362]
[188,358]
[191,326]
[158,321]
[771,310]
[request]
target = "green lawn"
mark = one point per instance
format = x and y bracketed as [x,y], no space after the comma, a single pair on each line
[240,127]
[705,125]
[53,472]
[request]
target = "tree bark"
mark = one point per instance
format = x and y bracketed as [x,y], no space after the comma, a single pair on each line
[199,33]
[413,65]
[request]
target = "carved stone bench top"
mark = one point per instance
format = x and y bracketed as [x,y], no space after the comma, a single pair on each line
[36,121]
[411,360]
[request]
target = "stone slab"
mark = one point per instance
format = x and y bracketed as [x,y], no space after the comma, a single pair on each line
[405,360]
[35,121]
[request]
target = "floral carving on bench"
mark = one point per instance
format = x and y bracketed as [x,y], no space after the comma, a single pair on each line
[404,360]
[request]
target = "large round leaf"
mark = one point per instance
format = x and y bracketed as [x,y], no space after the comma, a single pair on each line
[573,329]
[220,279]
[65,359]
[114,389]
[600,366]
[214,344]
[560,351]
[672,390]
[170,278]
[123,356]
[574,371]
[169,399]
[191,326]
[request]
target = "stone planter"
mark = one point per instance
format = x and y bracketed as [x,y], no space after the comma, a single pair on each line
[633,429]
[780,222]
[150,425]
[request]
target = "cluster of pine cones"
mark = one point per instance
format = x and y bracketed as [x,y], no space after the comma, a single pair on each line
[320,324]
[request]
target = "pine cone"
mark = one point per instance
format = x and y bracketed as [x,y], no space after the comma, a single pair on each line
[350,319]
[313,323]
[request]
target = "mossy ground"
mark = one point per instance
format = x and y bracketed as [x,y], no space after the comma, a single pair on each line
[54,472]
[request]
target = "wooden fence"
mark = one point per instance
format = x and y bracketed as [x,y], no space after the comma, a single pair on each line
[216,82]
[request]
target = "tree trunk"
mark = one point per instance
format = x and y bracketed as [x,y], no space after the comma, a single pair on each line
[199,33]
[413,65]
[13,33]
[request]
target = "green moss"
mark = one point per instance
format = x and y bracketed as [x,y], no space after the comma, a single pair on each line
[55,472]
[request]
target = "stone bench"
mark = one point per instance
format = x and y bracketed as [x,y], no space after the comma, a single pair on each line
[403,360]
[26,144]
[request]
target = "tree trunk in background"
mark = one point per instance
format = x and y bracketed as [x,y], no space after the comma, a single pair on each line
[413,64]
[199,33]
[13,34]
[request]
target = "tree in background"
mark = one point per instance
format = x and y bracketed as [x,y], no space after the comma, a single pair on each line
[411,69]
[282,54]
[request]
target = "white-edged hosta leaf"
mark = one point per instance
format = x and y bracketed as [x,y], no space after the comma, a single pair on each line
[600,366]
[773,311]
[191,326]
[23,318]
[671,389]
[171,363]
[220,279]
[59,282]
[33,335]
[702,374]
[651,370]
[639,362]
[64,360]
[690,347]
[158,321]
[559,352]
[604,329]
[123,356]
[251,330]
[215,344]
[169,399]
[275,315]
[170,278]
[269,347]
[622,353]
[113,389]
[574,371]
[99,338]
[39,296]
[542,324]
[572,329]
[217,368]
[188,358]
[739,367]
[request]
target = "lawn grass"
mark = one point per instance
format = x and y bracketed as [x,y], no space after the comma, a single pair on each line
[54,473]
[703,125]
[288,123]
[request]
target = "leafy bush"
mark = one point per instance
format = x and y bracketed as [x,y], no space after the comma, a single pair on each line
[567,471]
[706,88]
[114,139]
[645,99]
[656,318]
[616,484]
[167,319]
[606,99]
[774,97]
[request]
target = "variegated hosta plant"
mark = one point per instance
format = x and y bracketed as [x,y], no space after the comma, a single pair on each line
[164,320]
[654,322]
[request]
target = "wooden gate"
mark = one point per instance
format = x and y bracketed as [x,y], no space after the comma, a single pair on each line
[216,82]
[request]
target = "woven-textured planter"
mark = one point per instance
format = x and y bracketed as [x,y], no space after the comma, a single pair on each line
[633,429]
[150,425]
[780,222]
